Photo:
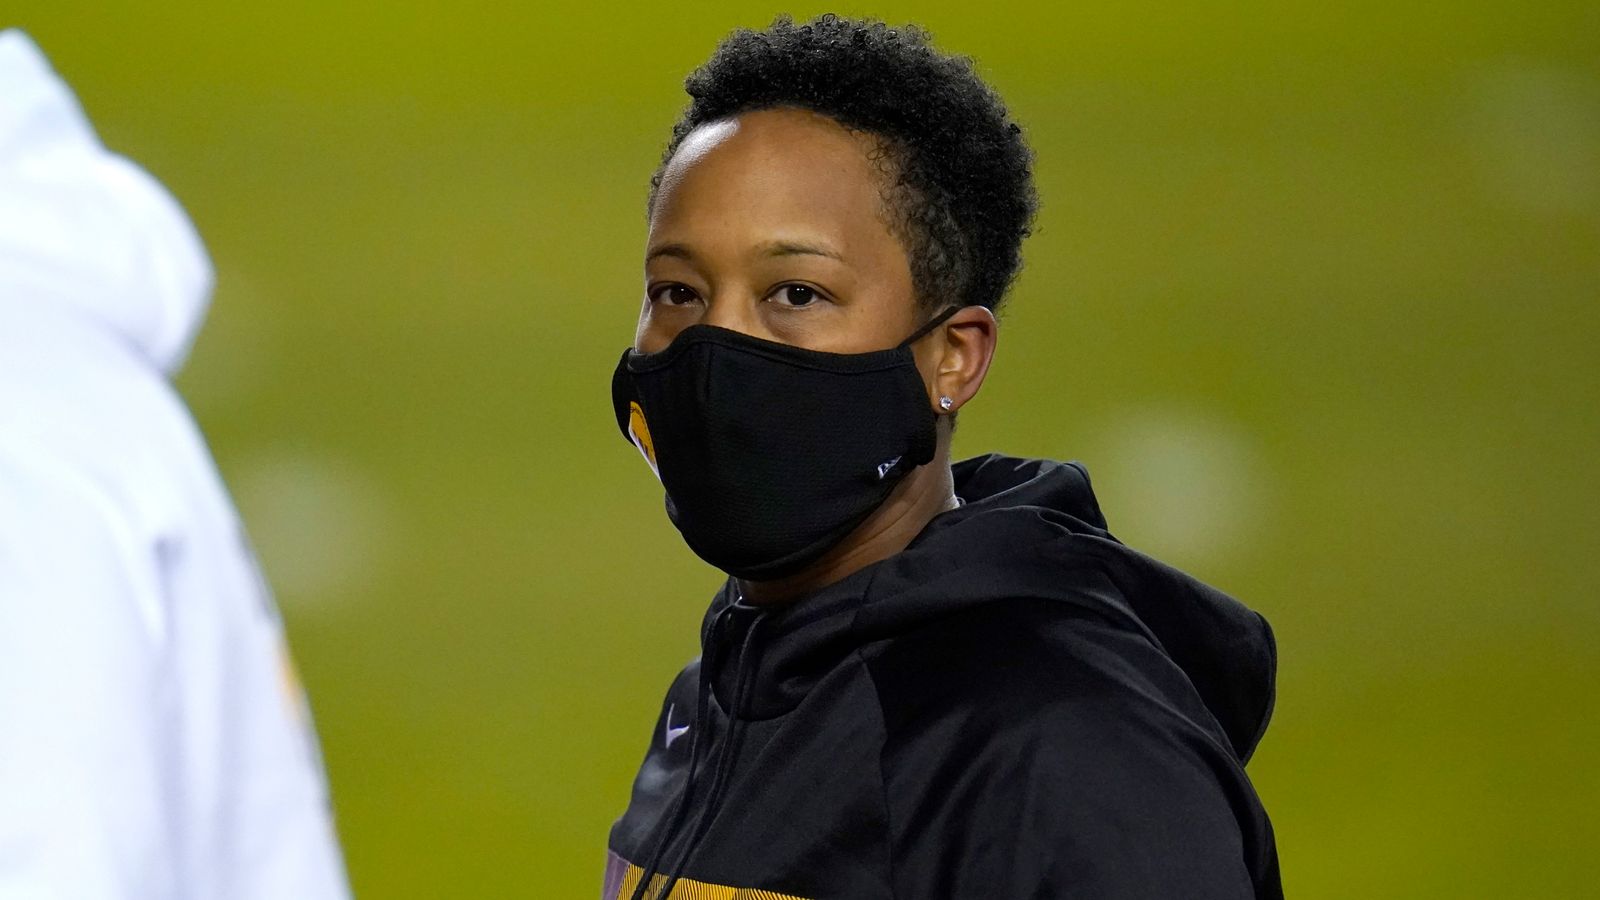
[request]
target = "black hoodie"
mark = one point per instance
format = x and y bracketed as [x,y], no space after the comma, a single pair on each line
[1015,706]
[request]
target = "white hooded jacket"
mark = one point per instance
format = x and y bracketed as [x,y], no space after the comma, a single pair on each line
[153,740]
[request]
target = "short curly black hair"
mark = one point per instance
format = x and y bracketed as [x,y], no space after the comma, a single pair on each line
[961,181]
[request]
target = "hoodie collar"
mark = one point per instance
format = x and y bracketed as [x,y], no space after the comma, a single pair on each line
[1028,530]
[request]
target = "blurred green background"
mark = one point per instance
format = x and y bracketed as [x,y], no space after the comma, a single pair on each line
[1315,294]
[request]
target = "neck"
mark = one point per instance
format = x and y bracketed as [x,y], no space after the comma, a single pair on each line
[924,493]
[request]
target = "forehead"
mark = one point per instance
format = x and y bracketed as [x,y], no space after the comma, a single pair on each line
[778,168]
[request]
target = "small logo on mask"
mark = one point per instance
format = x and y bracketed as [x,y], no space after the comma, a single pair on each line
[885,467]
[639,432]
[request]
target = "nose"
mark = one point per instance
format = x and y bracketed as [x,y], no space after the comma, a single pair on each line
[659,327]
[730,313]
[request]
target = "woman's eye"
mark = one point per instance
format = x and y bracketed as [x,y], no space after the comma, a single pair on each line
[796,295]
[674,294]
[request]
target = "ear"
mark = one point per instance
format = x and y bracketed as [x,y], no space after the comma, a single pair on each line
[957,358]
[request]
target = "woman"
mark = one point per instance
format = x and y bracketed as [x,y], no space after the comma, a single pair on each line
[920,680]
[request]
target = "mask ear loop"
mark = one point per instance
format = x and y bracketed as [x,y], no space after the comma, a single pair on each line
[945,403]
[928,326]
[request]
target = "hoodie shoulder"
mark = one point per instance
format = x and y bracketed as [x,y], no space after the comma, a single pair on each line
[1030,665]
[1075,754]
[86,234]
[1032,528]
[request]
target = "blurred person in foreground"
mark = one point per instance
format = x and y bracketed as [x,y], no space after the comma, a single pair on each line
[920,680]
[153,740]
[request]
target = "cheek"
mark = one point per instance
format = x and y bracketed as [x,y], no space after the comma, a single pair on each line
[659,325]
[641,329]
[929,354]
[644,319]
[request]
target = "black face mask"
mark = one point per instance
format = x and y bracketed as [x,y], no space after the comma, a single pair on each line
[771,454]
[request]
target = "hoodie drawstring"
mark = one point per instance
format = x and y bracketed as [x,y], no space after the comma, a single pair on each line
[723,766]
[681,807]
[730,748]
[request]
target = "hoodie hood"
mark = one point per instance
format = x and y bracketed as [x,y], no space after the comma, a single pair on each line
[1028,530]
[84,232]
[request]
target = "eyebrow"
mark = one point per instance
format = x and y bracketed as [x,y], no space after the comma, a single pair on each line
[795,248]
[769,249]
[677,251]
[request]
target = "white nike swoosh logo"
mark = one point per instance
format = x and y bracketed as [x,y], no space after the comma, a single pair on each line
[673,733]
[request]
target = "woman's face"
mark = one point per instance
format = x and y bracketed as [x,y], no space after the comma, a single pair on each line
[773,224]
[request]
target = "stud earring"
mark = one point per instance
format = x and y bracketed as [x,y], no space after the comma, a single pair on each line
[945,403]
